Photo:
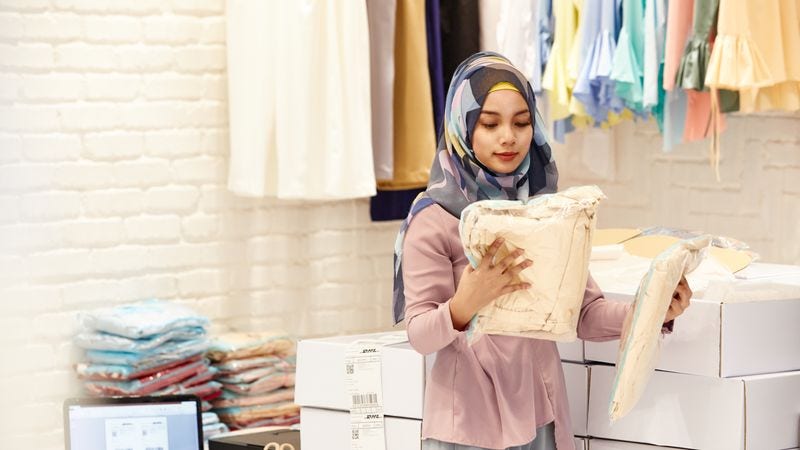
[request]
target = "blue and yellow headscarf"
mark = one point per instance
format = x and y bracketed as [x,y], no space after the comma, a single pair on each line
[457,177]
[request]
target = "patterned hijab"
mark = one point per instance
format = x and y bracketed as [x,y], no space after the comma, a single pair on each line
[457,177]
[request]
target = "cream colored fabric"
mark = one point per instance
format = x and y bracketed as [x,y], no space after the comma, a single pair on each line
[639,344]
[555,231]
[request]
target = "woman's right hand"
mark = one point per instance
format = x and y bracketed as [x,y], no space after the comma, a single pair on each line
[480,286]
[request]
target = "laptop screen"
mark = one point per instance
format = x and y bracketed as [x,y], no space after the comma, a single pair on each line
[145,423]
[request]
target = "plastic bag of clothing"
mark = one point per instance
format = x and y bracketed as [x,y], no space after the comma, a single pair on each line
[283,421]
[555,232]
[146,385]
[229,399]
[241,365]
[171,351]
[238,345]
[141,320]
[99,340]
[213,429]
[641,332]
[91,371]
[249,414]
[262,385]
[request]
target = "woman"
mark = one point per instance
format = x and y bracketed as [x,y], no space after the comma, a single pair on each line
[501,391]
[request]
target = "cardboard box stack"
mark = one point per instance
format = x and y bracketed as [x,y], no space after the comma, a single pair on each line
[256,372]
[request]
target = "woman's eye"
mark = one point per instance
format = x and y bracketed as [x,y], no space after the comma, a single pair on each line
[523,124]
[489,125]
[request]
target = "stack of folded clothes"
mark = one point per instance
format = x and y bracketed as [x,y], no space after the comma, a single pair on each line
[149,348]
[256,371]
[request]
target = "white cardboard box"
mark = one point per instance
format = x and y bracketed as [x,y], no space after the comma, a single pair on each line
[322,429]
[746,413]
[603,444]
[726,339]
[581,444]
[571,351]
[576,377]
[320,378]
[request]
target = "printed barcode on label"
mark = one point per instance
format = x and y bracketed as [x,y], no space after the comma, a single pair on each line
[349,369]
[365,399]
[355,434]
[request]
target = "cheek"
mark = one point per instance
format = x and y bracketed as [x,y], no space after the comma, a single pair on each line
[480,142]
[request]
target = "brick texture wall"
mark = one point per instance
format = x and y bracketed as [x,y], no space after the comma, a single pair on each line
[113,146]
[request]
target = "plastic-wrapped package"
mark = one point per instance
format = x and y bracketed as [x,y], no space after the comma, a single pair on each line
[146,385]
[555,232]
[229,399]
[283,421]
[205,405]
[205,391]
[249,376]
[90,371]
[250,413]
[238,345]
[210,417]
[640,338]
[266,384]
[168,352]
[143,319]
[214,429]
[235,366]
[100,340]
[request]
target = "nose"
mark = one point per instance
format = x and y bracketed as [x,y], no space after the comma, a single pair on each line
[507,136]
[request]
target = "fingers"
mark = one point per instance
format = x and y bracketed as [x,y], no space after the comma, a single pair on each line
[508,260]
[488,257]
[514,287]
[515,270]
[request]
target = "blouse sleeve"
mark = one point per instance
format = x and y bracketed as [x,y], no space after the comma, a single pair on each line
[429,284]
[600,319]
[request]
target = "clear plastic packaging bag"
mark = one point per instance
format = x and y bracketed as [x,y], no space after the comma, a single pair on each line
[146,385]
[262,385]
[239,345]
[553,230]
[100,340]
[109,372]
[141,320]
[168,352]
[249,414]
[229,399]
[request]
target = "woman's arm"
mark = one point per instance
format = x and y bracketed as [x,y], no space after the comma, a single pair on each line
[600,319]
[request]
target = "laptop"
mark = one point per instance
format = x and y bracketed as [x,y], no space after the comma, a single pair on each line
[133,423]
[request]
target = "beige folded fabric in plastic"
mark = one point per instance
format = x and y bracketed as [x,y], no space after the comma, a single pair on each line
[555,231]
[641,332]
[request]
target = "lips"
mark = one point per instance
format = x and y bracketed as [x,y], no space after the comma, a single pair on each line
[506,156]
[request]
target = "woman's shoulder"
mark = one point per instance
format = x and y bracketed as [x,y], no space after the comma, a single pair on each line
[433,225]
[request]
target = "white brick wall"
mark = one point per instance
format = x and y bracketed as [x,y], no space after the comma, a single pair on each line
[113,147]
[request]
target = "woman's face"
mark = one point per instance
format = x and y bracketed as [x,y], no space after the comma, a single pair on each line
[503,134]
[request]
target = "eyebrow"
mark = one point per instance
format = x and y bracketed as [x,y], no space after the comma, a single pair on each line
[495,113]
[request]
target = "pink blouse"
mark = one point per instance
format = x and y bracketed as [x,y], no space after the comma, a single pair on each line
[497,391]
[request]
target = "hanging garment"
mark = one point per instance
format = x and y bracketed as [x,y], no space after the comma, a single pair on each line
[679,23]
[414,137]
[594,87]
[299,100]
[577,57]
[628,64]
[490,24]
[518,38]
[460,33]
[655,29]
[757,52]
[432,20]
[638,347]
[692,71]
[556,228]
[381,16]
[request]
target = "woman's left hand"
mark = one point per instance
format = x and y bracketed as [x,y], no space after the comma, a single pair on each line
[680,300]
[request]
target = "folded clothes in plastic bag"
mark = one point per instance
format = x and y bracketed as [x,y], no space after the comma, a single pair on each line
[122,372]
[262,385]
[209,390]
[140,320]
[210,417]
[161,355]
[250,413]
[641,332]
[100,340]
[555,232]
[235,366]
[229,399]
[148,384]
[237,345]
[249,376]
[283,421]
[214,429]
